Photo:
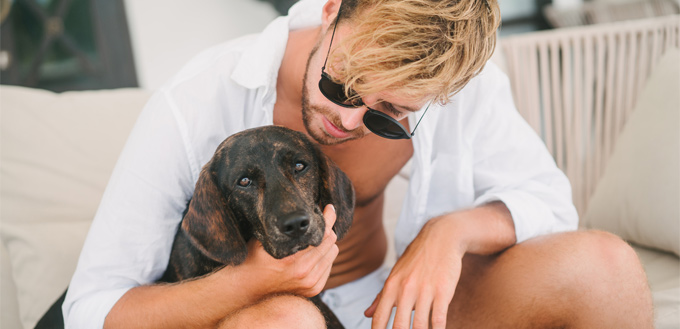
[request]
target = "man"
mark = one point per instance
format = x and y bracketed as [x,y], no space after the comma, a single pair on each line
[477,240]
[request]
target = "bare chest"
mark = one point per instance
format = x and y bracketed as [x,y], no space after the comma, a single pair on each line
[371,166]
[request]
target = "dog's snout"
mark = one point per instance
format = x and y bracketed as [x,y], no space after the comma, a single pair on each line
[294,224]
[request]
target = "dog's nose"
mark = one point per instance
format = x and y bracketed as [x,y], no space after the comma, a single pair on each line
[294,225]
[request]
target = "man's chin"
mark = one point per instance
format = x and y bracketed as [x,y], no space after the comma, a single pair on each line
[315,129]
[313,120]
[322,137]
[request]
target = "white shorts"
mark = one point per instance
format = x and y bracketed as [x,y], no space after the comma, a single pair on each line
[350,300]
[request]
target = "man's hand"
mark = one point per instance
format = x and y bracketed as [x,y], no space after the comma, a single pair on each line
[424,279]
[304,273]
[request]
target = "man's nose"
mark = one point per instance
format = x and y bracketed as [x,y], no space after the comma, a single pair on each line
[352,118]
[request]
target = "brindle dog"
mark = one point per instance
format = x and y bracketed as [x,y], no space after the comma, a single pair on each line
[269,183]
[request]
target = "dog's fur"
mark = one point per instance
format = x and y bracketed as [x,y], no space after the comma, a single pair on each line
[256,179]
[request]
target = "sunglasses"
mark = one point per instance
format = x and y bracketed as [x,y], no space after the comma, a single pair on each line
[377,122]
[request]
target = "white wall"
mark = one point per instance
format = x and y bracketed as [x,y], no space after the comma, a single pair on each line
[567,3]
[516,8]
[165,34]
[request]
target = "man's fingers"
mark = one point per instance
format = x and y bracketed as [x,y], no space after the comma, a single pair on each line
[326,272]
[371,309]
[326,262]
[440,309]
[329,216]
[402,318]
[421,318]
[383,311]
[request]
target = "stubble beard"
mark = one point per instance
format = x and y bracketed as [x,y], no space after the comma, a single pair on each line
[308,110]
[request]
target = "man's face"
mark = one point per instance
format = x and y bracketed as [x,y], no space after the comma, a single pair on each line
[329,123]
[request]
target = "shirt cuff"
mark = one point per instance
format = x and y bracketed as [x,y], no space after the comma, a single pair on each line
[531,216]
[91,311]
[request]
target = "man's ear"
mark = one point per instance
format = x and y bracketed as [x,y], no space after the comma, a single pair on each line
[210,225]
[335,188]
[329,12]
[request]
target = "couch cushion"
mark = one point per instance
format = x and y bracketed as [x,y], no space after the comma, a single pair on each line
[58,151]
[9,305]
[663,274]
[637,196]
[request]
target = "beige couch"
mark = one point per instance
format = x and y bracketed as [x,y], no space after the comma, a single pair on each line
[58,150]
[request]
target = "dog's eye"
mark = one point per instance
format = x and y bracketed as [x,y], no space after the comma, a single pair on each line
[300,167]
[244,182]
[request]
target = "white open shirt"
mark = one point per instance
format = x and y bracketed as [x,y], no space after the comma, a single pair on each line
[474,150]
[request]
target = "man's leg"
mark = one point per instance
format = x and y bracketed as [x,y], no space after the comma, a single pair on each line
[282,311]
[585,279]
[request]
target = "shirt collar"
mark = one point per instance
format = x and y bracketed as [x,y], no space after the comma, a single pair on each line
[259,64]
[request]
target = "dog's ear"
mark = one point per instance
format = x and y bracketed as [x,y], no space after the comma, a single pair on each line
[336,188]
[210,225]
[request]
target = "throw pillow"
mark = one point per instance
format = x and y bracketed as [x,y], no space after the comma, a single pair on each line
[58,151]
[638,195]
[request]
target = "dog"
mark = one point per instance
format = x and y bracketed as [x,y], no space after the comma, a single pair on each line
[269,183]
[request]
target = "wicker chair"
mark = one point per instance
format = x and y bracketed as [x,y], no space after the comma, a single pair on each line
[576,87]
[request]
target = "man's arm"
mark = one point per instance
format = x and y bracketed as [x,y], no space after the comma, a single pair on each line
[484,230]
[519,193]
[200,303]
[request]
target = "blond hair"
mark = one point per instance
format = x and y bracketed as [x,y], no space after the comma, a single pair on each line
[418,48]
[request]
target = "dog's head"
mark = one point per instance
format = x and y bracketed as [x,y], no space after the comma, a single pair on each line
[270,183]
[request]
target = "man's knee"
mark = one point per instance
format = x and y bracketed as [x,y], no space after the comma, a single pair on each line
[609,267]
[600,276]
[281,311]
[613,262]
[589,258]
[606,256]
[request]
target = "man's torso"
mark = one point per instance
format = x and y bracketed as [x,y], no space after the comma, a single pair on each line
[370,163]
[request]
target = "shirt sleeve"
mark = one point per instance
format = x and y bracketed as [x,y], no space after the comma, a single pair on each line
[513,165]
[130,239]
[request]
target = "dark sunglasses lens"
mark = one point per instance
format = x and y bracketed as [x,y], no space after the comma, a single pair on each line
[384,126]
[336,92]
